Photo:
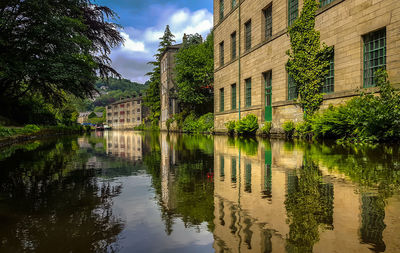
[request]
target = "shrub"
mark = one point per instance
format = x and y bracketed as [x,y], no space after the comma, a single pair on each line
[190,124]
[266,129]
[206,123]
[288,127]
[31,128]
[303,130]
[247,125]
[169,122]
[230,125]
[5,131]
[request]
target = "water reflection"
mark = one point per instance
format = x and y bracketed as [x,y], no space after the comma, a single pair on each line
[121,191]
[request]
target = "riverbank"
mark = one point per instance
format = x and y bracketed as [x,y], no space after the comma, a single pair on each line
[13,135]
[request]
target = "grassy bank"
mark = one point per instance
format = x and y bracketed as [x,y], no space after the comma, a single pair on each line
[11,135]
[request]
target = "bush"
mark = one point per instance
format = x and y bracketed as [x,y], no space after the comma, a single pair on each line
[303,130]
[288,127]
[367,118]
[266,129]
[230,125]
[203,124]
[5,131]
[247,125]
[31,128]
[169,122]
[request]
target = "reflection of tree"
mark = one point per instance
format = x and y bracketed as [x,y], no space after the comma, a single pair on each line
[373,215]
[55,204]
[308,205]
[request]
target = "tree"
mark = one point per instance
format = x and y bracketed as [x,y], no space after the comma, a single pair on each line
[152,98]
[195,76]
[191,39]
[308,63]
[54,47]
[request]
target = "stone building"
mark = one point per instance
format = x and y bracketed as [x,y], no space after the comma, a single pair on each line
[251,40]
[169,104]
[126,113]
[84,116]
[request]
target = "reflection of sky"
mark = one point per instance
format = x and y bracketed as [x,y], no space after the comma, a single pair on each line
[145,231]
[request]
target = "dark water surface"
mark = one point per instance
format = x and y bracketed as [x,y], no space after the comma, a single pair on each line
[136,192]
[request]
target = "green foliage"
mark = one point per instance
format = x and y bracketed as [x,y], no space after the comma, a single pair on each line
[288,127]
[195,76]
[191,39]
[230,125]
[367,118]
[248,145]
[194,124]
[52,48]
[308,63]
[152,98]
[266,129]
[248,125]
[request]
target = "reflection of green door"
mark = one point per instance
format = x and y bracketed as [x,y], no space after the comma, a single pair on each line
[268,173]
[268,96]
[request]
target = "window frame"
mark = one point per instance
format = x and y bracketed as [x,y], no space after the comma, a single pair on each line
[221,53]
[221,99]
[267,15]
[378,54]
[248,92]
[247,37]
[233,96]
[293,11]
[233,45]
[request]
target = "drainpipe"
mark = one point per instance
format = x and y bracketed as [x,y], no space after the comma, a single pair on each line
[240,3]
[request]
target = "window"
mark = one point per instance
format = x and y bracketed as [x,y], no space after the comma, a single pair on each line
[138,118]
[374,55]
[248,92]
[233,3]
[233,96]
[248,35]
[329,83]
[221,9]
[138,110]
[233,45]
[268,22]
[325,2]
[221,53]
[293,11]
[221,100]
[292,89]
[138,102]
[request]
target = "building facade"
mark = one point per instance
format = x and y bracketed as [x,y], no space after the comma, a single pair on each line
[250,44]
[169,104]
[126,113]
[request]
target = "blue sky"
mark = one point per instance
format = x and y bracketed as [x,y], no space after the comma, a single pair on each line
[144,22]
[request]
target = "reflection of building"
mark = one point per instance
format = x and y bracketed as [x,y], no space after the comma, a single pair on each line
[83,117]
[126,113]
[168,160]
[125,144]
[276,201]
[250,53]
[169,105]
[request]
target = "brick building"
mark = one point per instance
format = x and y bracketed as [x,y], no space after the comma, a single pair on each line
[169,104]
[126,113]
[251,40]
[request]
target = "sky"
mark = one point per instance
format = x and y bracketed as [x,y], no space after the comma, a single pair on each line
[143,23]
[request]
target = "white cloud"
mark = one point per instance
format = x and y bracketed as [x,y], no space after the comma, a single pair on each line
[131,45]
[141,44]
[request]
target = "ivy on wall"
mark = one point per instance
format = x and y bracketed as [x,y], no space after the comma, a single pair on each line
[308,62]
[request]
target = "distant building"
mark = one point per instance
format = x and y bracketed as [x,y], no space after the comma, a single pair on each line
[126,113]
[84,116]
[169,104]
[251,41]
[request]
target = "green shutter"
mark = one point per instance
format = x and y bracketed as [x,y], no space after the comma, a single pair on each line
[248,35]
[268,22]
[221,100]
[293,11]
[221,9]
[248,92]
[329,83]
[374,56]
[292,90]
[268,96]
[233,45]
[233,95]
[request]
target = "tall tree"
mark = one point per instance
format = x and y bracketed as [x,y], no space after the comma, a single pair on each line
[52,47]
[195,75]
[308,63]
[152,98]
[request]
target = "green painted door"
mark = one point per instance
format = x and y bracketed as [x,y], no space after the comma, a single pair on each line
[268,96]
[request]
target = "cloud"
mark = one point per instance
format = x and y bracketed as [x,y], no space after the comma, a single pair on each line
[141,44]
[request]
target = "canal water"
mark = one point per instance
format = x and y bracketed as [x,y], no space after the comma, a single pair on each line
[141,192]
